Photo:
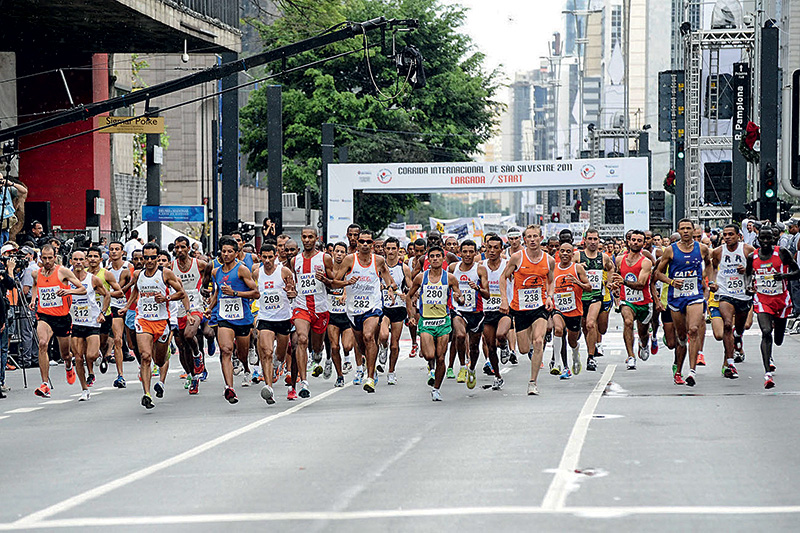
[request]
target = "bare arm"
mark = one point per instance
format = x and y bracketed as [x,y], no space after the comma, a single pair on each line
[68,275]
[483,277]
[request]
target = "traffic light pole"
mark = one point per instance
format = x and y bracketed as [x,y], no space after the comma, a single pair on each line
[770,85]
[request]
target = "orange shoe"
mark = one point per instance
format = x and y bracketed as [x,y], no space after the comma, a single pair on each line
[71,374]
[184,376]
[43,390]
[701,360]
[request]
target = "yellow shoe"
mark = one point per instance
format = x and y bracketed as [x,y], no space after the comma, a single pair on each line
[471,380]
[462,375]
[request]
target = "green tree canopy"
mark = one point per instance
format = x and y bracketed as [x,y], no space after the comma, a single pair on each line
[444,121]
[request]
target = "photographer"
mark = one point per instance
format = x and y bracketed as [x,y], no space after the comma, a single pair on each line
[8,265]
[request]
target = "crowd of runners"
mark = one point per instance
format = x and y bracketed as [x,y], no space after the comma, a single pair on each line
[289,310]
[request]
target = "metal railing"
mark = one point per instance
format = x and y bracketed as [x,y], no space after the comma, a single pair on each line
[226,11]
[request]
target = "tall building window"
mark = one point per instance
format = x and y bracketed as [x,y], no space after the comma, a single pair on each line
[616,25]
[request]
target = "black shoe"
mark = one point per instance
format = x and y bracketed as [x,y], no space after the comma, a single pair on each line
[548,337]
[128,358]
[103,365]
[147,402]
[598,354]
[513,358]
[591,365]
[2,394]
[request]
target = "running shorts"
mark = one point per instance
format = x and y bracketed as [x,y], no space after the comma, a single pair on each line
[158,329]
[84,332]
[318,321]
[435,327]
[60,325]
[395,314]
[525,319]
[279,327]
[641,313]
[474,321]
[357,321]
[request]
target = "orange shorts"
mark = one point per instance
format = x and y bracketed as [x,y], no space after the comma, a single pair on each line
[318,321]
[159,329]
[182,319]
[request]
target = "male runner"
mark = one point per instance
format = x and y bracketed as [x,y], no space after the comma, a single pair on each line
[598,267]
[394,312]
[51,301]
[569,281]
[353,231]
[94,256]
[530,273]
[340,334]
[435,286]
[190,272]
[152,291]
[123,272]
[496,325]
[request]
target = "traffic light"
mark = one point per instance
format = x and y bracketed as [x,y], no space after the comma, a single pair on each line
[680,150]
[769,183]
[750,209]
[555,217]
[577,206]
[786,209]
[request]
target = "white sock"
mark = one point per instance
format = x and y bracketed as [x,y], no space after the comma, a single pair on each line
[730,362]
[557,342]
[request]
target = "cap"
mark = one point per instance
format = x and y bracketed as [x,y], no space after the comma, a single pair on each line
[793,222]
[8,247]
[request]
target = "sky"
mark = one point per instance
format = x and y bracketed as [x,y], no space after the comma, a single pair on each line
[513,33]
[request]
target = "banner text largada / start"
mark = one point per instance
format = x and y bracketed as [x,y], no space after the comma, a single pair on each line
[465,177]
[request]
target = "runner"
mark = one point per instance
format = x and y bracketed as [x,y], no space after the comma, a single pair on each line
[496,325]
[769,270]
[633,281]
[87,317]
[151,294]
[514,237]
[276,287]
[468,316]
[569,281]
[598,267]
[123,273]
[362,274]
[531,274]
[233,284]
[394,312]
[435,286]
[730,263]
[94,256]
[52,301]
[339,332]
[682,267]
[137,263]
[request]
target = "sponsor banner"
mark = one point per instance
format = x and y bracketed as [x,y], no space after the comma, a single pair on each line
[173,213]
[461,228]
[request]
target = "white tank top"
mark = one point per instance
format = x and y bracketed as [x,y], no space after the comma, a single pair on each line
[730,281]
[365,295]
[273,305]
[191,280]
[493,303]
[119,303]
[311,293]
[472,299]
[147,308]
[84,308]
[399,279]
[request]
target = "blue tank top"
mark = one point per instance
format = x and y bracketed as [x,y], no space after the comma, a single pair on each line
[248,261]
[234,310]
[689,268]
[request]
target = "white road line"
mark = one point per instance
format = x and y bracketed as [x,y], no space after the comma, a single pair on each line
[4,416]
[106,388]
[23,410]
[33,519]
[305,516]
[56,402]
[559,488]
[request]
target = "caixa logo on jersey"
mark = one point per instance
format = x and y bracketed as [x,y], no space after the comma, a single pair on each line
[384,175]
[588,172]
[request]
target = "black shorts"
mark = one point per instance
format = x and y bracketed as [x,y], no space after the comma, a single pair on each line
[474,321]
[279,327]
[525,319]
[239,331]
[666,316]
[60,325]
[339,320]
[115,313]
[84,332]
[105,327]
[395,314]
[587,303]
[572,323]
[492,318]
[740,307]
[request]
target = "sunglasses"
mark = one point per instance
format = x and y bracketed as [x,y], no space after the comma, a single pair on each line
[291,249]
[364,241]
[150,257]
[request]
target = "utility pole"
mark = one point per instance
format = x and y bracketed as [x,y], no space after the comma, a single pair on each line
[275,156]
[327,159]
[770,85]
[154,160]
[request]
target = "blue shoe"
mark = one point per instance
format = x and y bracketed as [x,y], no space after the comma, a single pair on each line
[159,389]
[212,347]
[566,374]
[487,369]
[431,378]
[339,382]
[119,382]
[204,375]
[359,379]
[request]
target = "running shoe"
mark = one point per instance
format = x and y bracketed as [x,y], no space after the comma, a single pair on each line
[462,375]
[257,376]
[187,381]
[432,378]
[598,350]
[347,367]
[230,395]
[576,362]
[436,396]
[84,396]
[505,355]
[379,367]
[359,379]
[103,365]
[70,373]
[204,374]
[252,356]
[555,370]
[391,378]
[630,363]
[772,367]
[154,372]
[449,374]
[487,369]
[674,368]
[158,388]
[472,380]
[591,365]
[287,379]
[237,366]
[533,390]
[738,356]
[691,379]
[90,380]
[730,372]
[369,385]
[512,358]
[194,386]
[147,402]
[566,374]
[304,392]
[414,349]
[129,357]
[701,359]
[328,371]
[198,365]
[317,356]
[247,379]
[120,382]
[548,336]
[185,375]
[267,394]
[318,370]
[654,345]
[42,390]
[339,382]
[530,354]
[212,347]
[644,355]
[678,379]
[383,353]
[769,383]
[292,394]
[498,384]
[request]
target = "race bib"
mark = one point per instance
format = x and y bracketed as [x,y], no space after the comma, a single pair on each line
[735,284]
[231,309]
[338,304]
[48,297]
[492,303]
[148,308]
[387,300]
[270,300]
[530,298]
[433,295]
[565,301]
[633,295]
[767,285]
[469,299]
[360,304]
[80,313]
[307,284]
[689,288]
[195,300]
[595,279]
[434,322]
[119,303]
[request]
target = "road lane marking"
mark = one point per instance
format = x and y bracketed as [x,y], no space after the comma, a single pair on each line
[33,519]
[556,495]
[4,416]
[55,402]
[23,410]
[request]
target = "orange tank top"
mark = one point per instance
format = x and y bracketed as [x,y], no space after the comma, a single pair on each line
[567,297]
[530,283]
[50,303]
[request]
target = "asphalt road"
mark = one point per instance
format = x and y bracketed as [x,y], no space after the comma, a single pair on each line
[613,449]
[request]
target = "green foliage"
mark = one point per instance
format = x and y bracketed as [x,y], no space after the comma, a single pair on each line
[445,121]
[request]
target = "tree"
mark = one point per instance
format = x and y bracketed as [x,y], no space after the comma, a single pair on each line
[445,121]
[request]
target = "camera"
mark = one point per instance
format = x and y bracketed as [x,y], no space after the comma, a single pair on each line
[19,258]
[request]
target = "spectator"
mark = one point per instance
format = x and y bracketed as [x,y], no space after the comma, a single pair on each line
[133,244]
[12,196]
[7,297]
[35,234]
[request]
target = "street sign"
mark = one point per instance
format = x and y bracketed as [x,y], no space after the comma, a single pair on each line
[173,213]
[131,125]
